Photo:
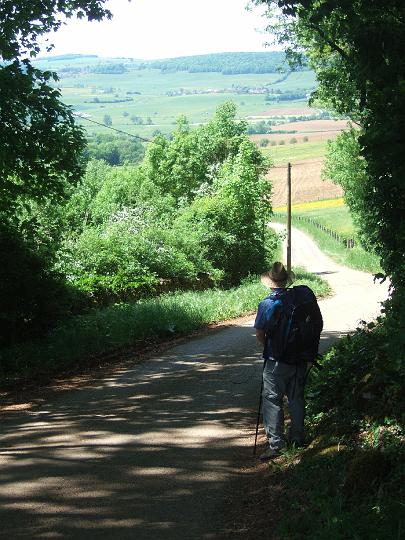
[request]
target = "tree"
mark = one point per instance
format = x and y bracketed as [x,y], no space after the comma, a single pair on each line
[40,154]
[345,167]
[41,144]
[107,120]
[230,220]
[115,150]
[356,50]
[188,161]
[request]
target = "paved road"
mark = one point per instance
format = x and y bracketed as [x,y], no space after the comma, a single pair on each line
[152,451]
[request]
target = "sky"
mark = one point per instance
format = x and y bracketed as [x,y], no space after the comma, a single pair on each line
[149,29]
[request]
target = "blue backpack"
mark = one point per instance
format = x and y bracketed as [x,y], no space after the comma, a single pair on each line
[294,325]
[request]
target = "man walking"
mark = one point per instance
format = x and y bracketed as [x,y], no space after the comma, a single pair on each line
[288,325]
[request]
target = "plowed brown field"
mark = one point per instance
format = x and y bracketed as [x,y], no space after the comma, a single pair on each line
[306,183]
[315,130]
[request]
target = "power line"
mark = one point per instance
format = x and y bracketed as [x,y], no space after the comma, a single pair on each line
[114,129]
[149,140]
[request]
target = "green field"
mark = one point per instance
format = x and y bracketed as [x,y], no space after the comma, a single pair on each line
[338,219]
[86,91]
[290,152]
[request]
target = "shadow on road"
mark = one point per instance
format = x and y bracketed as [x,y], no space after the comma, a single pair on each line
[146,453]
[151,452]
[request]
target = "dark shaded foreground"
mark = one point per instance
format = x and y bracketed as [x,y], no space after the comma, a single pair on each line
[150,452]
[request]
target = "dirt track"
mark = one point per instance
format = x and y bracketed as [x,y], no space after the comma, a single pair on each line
[152,451]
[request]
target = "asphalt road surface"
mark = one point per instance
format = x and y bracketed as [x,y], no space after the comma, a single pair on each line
[153,450]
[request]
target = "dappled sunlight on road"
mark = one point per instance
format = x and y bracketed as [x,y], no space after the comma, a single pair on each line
[147,453]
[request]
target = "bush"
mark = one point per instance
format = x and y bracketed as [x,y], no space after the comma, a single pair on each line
[369,365]
[33,298]
[103,290]
[119,262]
[230,223]
[107,120]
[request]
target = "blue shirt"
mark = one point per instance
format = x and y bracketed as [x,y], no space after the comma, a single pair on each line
[265,312]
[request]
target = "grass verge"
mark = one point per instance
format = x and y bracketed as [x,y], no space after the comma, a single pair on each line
[356,258]
[73,344]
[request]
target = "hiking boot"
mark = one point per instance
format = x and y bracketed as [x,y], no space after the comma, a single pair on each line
[269,453]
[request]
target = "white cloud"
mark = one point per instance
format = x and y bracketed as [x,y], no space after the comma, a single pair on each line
[165,28]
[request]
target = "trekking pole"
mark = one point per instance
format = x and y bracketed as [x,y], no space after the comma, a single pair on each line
[258,417]
[259,409]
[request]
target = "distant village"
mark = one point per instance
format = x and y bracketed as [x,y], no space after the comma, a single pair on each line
[232,90]
[270,93]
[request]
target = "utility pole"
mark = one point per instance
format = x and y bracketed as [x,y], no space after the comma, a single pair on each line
[289,217]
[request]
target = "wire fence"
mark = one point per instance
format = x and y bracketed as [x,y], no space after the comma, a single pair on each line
[348,242]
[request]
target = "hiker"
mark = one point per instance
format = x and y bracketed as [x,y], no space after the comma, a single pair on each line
[288,325]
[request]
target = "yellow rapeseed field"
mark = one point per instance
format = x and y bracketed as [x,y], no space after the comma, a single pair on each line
[314,205]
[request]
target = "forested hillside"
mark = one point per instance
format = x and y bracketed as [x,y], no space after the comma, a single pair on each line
[225,63]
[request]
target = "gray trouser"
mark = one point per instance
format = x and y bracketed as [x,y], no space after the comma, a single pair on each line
[279,380]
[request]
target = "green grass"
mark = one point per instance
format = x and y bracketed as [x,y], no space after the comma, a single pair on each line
[282,154]
[330,512]
[133,324]
[357,257]
[338,219]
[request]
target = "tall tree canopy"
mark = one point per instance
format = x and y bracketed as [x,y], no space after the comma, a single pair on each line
[40,154]
[356,49]
[40,142]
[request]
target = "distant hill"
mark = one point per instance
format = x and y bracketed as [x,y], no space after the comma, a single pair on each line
[230,63]
[65,57]
[225,63]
